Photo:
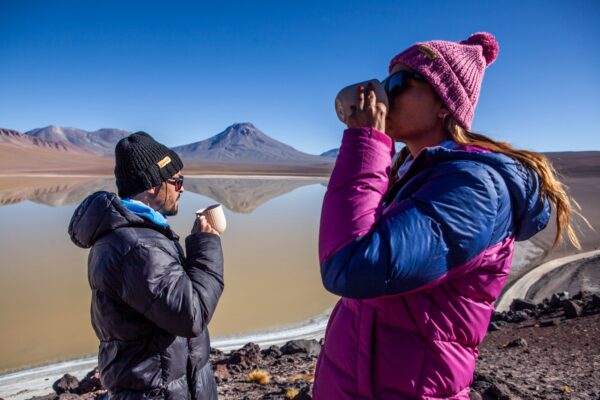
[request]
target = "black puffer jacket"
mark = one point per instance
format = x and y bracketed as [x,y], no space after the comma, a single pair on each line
[150,303]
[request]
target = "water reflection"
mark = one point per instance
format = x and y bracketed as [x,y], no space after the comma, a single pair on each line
[240,195]
[271,268]
[245,195]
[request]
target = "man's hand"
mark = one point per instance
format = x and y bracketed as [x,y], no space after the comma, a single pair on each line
[202,225]
[368,113]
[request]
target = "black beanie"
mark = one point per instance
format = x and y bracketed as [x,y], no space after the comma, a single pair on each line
[143,163]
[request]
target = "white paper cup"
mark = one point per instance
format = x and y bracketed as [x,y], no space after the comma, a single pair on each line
[215,216]
[348,97]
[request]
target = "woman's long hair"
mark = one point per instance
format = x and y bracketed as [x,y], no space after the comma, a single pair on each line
[551,187]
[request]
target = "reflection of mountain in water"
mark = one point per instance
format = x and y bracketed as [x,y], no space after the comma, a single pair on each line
[52,192]
[75,193]
[244,195]
[241,195]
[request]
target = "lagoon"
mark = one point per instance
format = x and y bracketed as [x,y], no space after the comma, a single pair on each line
[271,264]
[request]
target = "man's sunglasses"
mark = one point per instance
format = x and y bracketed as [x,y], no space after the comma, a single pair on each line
[397,81]
[177,182]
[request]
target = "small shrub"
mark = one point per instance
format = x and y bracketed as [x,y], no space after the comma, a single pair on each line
[259,376]
[291,393]
[303,377]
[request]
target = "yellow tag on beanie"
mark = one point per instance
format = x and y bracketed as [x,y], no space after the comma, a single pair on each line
[429,52]
[164,162]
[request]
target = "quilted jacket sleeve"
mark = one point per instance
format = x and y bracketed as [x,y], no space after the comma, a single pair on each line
[358,182]
[415,242]
[179,299]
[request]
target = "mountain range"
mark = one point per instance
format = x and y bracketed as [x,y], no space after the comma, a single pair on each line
[241,144]
[24,154]
[18,139]
[101,142]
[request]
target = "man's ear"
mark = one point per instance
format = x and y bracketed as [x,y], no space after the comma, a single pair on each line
[152,192]
[146,195]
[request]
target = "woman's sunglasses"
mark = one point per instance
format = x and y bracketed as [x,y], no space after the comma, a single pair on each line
[177,182]
[397,81]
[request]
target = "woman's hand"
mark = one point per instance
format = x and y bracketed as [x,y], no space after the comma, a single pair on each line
[368,113]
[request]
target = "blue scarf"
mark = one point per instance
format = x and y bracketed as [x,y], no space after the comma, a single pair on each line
[142,210]
[448,144]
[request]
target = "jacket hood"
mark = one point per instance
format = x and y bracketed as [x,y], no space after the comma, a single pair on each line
[531,210]
[99,214]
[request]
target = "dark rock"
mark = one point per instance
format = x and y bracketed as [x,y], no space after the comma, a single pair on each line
[520,342]
[584,296]
[596,300]
[68,383]
[91,382]
[245,356]
[520,316]
[475,395]
[481,382]
[497,316]
[304,394]
[557,299]
[273,351]
[572,310]
[549,322]
[532,312]
[522,304]
[498,391]
[496,326]
[311,347]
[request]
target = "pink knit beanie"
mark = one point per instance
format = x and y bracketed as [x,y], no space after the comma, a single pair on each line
[455,70]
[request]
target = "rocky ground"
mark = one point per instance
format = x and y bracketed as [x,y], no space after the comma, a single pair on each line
[549,350]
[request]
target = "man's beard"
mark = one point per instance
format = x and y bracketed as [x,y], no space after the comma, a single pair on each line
[173,210]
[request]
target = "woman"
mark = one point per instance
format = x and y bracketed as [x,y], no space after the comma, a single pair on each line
[420,250]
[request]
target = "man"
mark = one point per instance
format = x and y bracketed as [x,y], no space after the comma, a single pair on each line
[150,302]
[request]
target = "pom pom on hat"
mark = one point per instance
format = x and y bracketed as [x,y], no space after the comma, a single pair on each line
[488,43]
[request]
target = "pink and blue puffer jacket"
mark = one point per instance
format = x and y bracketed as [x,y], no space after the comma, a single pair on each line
[418,269]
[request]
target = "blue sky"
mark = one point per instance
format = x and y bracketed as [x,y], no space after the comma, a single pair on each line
[184,71]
